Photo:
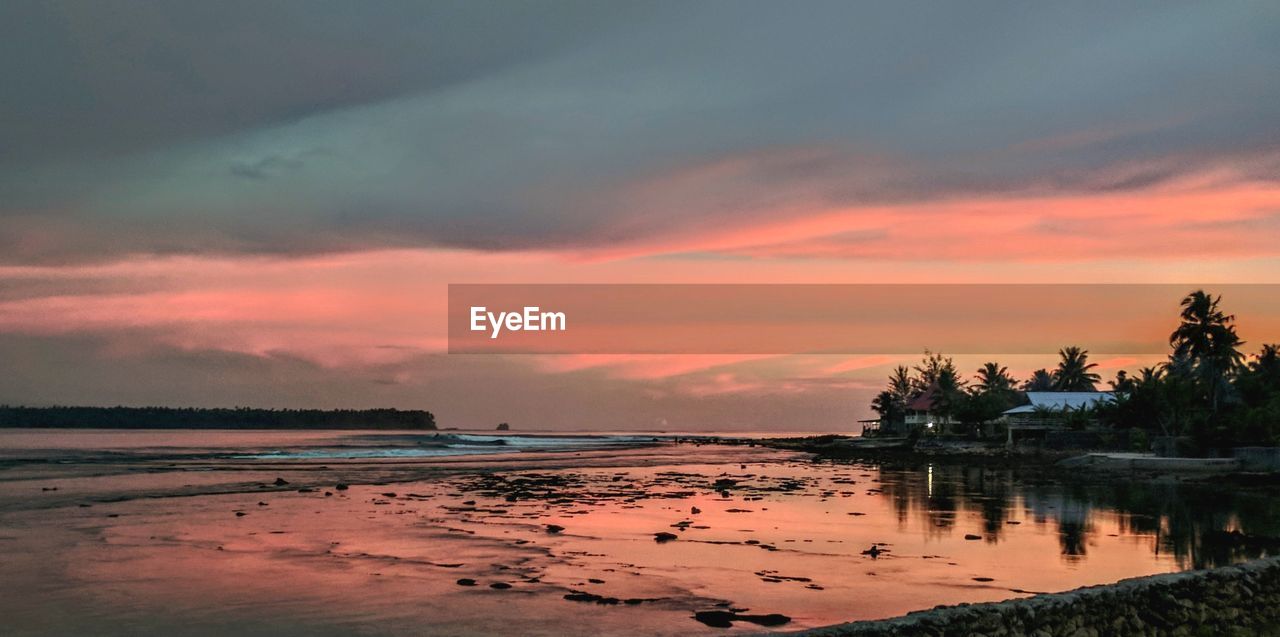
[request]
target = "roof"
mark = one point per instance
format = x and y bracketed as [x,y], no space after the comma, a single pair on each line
[1061,400]
[924,402]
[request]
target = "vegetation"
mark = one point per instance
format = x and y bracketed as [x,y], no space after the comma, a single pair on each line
[1041,380]
[1208,394]
[190,418]
[1073,372]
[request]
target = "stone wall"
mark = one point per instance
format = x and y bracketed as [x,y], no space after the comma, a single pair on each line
[1233,600]
[1258,458]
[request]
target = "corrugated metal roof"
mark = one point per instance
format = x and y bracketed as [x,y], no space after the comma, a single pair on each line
[1061,400]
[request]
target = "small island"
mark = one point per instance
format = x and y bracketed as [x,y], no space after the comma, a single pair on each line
[216,418]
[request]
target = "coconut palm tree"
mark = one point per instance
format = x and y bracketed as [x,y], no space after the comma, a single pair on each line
[994,379]
[1073,372]
[1041,380]
[1260,379]
[1207,345]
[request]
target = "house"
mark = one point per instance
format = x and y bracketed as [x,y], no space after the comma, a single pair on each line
[1044,404]
[1049,410]
[922,412]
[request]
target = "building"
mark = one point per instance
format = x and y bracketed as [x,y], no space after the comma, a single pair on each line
[922,412]
[1047,411]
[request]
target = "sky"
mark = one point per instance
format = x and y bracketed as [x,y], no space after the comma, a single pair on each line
[262,203]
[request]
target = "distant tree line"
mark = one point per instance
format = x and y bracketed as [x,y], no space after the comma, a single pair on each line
[196,418]
[1207,391]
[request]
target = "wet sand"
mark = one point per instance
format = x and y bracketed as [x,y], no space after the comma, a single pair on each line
[543,543]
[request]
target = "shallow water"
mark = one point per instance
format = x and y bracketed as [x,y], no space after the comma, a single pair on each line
[160,547]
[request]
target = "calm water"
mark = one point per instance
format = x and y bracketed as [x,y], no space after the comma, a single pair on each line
[188,532]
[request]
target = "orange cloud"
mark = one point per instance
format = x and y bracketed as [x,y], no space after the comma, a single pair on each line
[1198,217]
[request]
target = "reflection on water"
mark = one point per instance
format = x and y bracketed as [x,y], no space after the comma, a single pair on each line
[248,534]
[1199,524]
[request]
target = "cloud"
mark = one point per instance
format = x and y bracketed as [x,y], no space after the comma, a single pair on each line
[249,203]
[582,130]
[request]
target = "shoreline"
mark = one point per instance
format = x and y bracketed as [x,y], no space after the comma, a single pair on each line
[1242,599]
[779,535]
[1069,464]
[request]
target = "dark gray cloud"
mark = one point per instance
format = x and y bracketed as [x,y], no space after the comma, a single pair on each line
[101,78]
[298,127]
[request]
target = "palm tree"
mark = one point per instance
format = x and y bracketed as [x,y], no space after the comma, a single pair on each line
[995,379]
[890,408]
[1122,383]
[1207,344]
[891,403]
[1041,380]
[1267,361]
[1073,372]
[1260,380]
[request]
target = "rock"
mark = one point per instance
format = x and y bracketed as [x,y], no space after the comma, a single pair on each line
[389,494]
[280,482]
[663,536]
[466,581]
[695,510]
[715,618]
[500,585]
[970,536]
[262,504]
[725,619]
[504,427]
[874,551]
[554,528]
[578,596]
[772,619]
[241,514]
[340,487]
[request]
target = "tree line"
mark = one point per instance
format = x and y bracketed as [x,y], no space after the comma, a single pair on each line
[218,418]
[1207,391]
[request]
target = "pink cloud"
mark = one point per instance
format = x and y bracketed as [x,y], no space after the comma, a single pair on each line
[1216,212]
[641,367]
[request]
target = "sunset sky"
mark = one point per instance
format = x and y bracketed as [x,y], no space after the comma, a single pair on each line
[248,203]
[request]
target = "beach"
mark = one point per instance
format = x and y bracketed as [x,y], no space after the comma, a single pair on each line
[276,533]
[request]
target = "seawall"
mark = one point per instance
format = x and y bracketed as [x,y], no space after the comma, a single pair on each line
[1232,600]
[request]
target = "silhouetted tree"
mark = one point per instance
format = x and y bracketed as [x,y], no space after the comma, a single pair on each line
[1073,372]
[1206,344]
[890,407]
[994,379]
[1041,380]
[936,369]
